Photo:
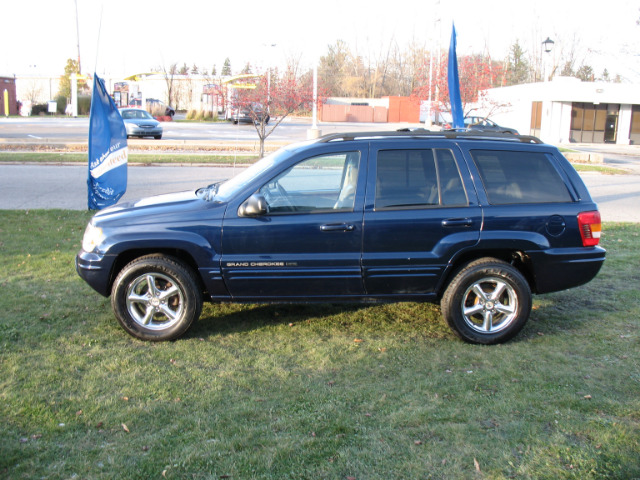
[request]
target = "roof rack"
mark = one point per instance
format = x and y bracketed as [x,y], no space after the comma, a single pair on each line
[423,133]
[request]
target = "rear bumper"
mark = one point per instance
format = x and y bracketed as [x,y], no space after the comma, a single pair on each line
[560,269]
[95,269]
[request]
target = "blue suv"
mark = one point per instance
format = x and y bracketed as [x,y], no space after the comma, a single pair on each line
[474,220]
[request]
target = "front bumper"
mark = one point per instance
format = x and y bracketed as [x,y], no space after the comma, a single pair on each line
[95,269]
[144,132]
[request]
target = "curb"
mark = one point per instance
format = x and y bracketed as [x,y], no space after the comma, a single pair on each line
[584,157]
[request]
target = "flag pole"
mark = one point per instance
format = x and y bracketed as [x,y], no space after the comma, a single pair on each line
[95,67]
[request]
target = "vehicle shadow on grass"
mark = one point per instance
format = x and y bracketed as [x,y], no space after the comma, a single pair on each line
[569,311]
[227,319]
[412,318]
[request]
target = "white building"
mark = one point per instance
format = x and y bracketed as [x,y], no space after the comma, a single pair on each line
[567,110]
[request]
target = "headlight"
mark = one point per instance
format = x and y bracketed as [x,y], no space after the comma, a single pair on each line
[93,236]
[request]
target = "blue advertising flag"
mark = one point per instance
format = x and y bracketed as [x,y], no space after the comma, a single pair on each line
[455,100]
[108,151]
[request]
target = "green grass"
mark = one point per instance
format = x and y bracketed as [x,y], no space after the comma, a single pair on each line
[581,167]
[310,391]
[142,158]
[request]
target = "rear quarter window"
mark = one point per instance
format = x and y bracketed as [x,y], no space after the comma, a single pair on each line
[520,177]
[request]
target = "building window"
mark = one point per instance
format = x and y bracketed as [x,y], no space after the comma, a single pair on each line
[536,118]
[634,132]
[591,123]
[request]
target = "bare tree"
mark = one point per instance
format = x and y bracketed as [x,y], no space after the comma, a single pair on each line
[277,95]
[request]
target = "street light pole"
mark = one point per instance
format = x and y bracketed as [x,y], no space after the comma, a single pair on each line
[547,46]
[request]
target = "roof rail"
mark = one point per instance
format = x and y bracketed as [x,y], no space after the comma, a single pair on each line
[423,133]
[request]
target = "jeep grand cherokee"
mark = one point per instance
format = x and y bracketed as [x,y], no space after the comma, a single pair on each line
[474,220]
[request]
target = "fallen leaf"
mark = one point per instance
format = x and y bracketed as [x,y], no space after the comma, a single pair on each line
[78,413]
[357,340]
[476,464]
[125,428]
[417,442]
[587,397]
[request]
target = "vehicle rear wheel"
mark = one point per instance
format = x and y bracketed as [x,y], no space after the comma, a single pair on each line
[158,137]
[156,297]
[487,302]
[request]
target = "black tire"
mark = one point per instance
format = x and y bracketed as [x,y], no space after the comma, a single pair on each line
[488,301]
[158,137]
[169,311]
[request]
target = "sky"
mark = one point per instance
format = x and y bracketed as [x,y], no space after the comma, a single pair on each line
[124,37]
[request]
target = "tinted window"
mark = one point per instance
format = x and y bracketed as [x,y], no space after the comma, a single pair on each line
[519,177]
[324,183]
[418,178]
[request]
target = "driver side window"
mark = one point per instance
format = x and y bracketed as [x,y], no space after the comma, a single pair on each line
[325,183]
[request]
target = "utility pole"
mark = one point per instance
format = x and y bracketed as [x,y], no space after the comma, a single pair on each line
[78,37]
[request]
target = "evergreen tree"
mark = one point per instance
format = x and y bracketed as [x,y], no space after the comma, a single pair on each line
[226,69]
[518,66]
[585,73]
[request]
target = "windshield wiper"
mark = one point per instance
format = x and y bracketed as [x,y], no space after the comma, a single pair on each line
[208,193]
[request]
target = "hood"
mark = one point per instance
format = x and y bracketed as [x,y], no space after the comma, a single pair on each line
[175,207]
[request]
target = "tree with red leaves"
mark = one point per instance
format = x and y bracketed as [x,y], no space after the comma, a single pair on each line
[477,74]
[272,98]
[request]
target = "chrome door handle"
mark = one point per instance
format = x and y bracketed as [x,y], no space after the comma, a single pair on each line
[339,227]
[457,222]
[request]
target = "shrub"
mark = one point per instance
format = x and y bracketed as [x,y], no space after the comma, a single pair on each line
[39,109]
[84,104]
[62,103]
[157,110]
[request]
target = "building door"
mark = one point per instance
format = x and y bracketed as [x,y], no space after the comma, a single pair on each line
[611,128]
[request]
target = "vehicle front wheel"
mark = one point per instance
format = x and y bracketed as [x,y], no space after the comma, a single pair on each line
[156,297]
[487,302]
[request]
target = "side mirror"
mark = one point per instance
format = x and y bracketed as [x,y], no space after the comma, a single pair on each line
[254,206]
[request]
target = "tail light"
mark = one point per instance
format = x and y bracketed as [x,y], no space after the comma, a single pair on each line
[590,228]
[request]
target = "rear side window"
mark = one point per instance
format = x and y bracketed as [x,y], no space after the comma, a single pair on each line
[519,177]
[418,178]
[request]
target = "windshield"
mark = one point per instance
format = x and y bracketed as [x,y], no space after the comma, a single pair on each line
[229,188]
[138,114]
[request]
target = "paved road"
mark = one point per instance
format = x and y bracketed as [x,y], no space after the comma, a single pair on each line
[62,186]
[65,186]
[76,130]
